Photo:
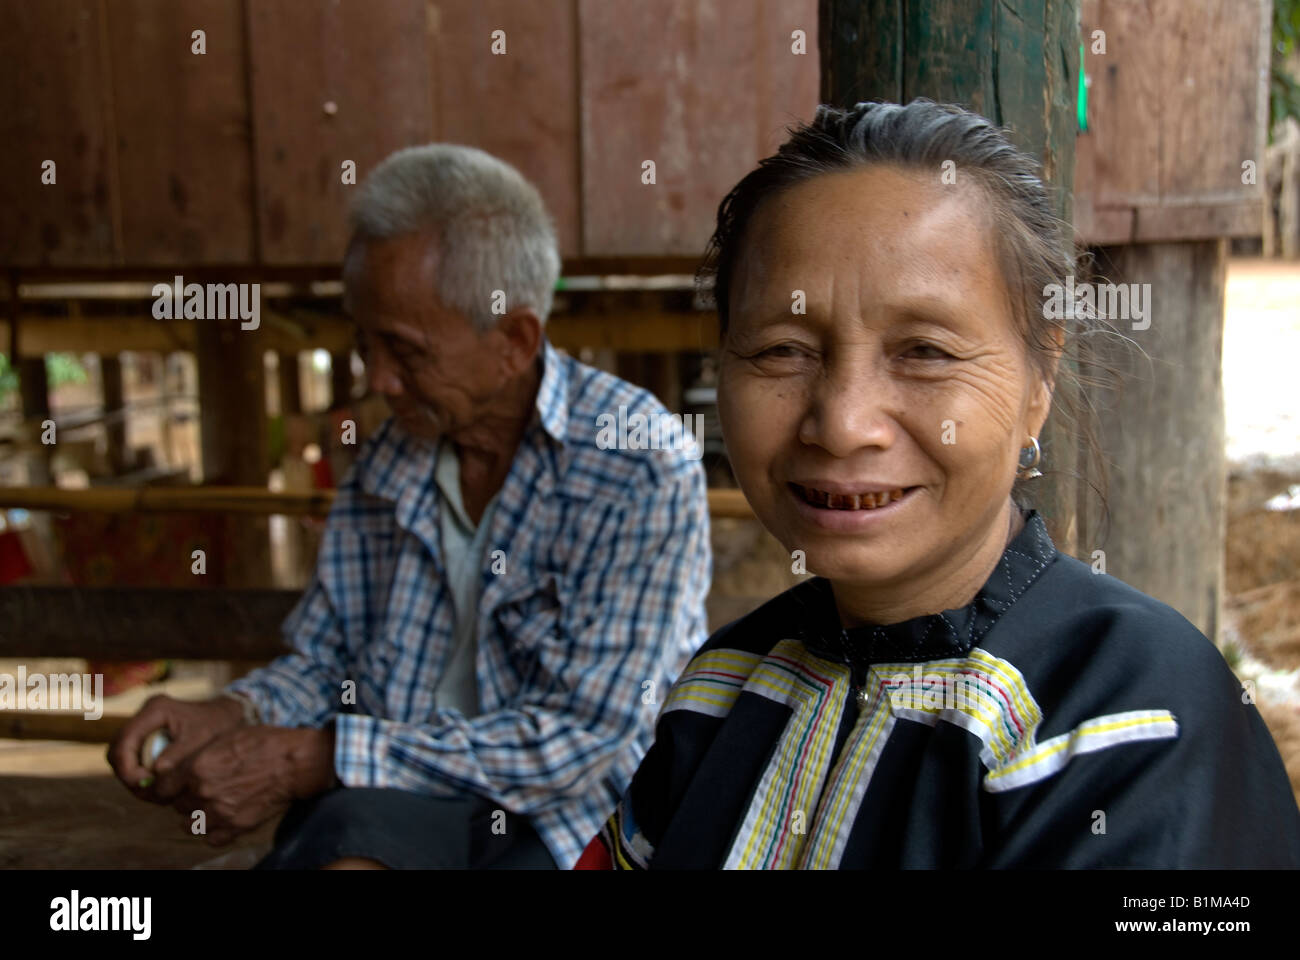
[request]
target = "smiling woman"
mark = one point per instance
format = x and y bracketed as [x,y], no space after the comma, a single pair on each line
[905,374]
[886,370]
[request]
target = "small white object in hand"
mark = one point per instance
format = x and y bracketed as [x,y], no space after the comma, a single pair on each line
[153,746]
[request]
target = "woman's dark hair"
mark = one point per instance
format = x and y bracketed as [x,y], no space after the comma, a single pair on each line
[1034,246]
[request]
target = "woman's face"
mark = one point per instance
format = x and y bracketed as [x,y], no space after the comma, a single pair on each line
[903,373]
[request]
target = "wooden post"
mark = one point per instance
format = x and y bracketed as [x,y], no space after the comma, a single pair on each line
[232,403]
[340,380]
[1015,63]
[33,385]
[233,438]
[1289,198]
[33,390]
[290,385]
[34,395]
[232,412]
[110,371]
[1163,431]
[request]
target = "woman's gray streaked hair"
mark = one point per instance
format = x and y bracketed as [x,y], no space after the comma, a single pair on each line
[490,224]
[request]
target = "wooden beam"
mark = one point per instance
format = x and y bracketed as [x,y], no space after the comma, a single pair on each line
[638,331]
[129,623]
[32,725]
[282,333]
[303,274]
[254,500]
[250,500]
[1110,226]
[644,331]
[42,335]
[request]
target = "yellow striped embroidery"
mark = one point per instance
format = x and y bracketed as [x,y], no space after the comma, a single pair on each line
[712,682]
[1050,757]
[777,824]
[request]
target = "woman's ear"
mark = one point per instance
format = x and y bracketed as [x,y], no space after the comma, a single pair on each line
[1040,404]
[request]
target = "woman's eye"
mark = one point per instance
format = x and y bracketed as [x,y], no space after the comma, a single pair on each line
[927,351]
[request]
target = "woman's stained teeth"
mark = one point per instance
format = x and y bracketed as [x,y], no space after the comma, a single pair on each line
[849,501]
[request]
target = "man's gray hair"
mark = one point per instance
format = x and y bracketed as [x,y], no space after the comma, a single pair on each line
[491,226]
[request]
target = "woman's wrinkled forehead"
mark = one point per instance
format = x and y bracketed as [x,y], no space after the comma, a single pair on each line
[881,231]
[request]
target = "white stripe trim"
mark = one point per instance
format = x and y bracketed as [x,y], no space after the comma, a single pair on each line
[1051,756]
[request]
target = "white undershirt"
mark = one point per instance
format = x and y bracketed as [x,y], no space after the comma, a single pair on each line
[463,547]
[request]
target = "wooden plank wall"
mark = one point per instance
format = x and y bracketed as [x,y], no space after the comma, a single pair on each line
[1175,107]
[233,157]
[167,158]
[707,89]
[521,106]
[330,83]
[53,107]
[182,122]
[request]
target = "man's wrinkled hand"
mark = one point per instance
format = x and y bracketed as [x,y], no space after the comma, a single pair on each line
[247,776]
[191,725]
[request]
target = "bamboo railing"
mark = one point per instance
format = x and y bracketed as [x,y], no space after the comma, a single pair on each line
[251,500]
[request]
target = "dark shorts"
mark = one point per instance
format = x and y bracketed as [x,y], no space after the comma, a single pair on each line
[404,831]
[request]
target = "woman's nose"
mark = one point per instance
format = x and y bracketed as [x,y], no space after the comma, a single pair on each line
[850,409]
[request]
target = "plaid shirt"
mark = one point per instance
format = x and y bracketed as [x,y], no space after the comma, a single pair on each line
[599,606]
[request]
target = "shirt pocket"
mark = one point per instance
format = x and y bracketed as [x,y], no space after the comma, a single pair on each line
[528,619]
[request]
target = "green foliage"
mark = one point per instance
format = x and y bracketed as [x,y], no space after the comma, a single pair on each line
[1233,653]
[8,377]
[1283,90]
[60,368]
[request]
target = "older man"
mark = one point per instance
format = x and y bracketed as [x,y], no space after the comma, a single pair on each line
[500,601]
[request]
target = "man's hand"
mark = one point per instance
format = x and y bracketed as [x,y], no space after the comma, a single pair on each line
[190,725]
[249,775]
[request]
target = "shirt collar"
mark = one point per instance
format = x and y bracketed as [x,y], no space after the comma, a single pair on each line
[400,461]
[395,462]
[447,476]
[553,394]
[935,636]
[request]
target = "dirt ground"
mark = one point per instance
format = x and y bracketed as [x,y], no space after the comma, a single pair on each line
[1261,633]
[60,805]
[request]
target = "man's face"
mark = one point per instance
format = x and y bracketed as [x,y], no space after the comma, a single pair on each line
[428,362]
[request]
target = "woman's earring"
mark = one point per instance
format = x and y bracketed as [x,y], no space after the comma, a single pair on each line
[1030,470]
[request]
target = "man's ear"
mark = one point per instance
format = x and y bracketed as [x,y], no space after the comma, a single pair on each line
[520,333]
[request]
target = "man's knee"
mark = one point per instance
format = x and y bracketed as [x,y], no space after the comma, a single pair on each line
[372,828]
[354,863]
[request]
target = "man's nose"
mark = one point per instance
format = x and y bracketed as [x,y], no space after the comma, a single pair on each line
[381,374]
[851,408]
